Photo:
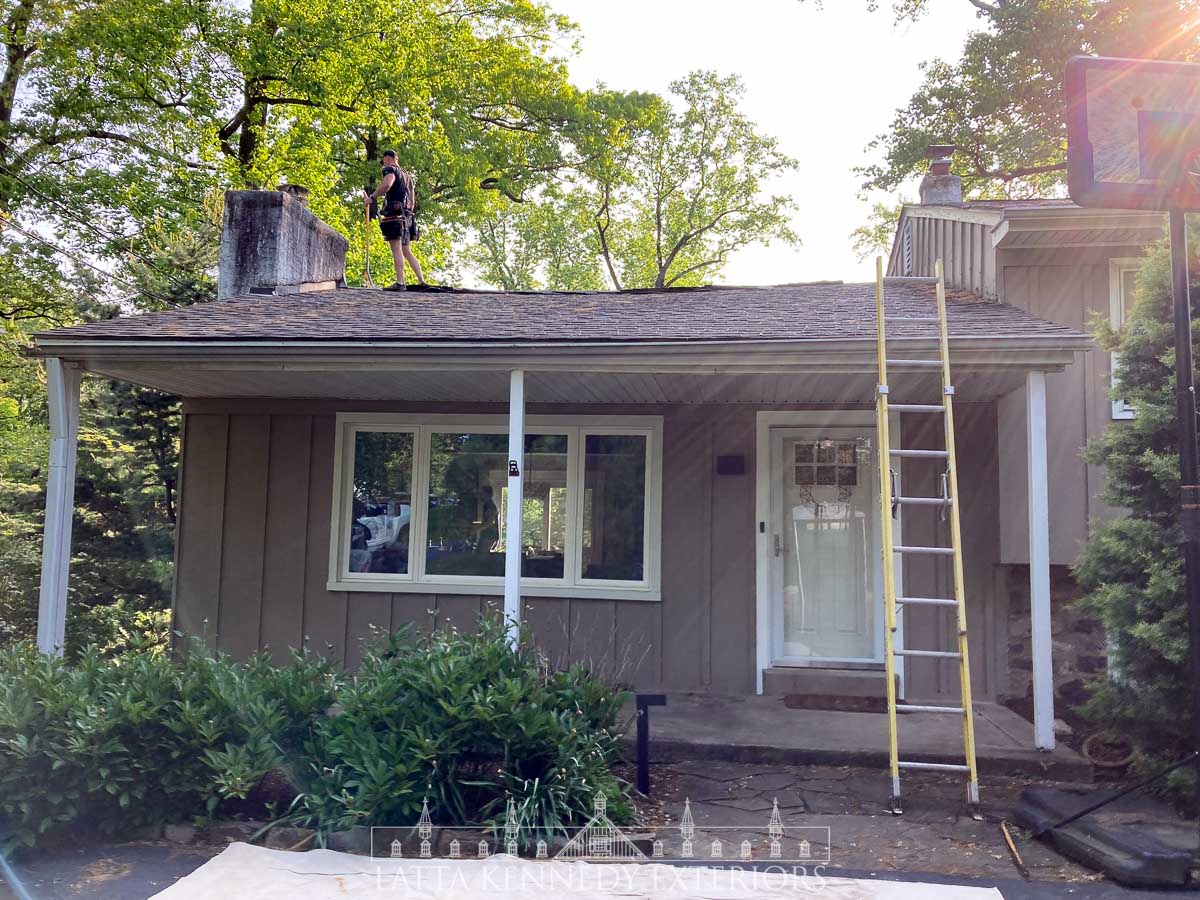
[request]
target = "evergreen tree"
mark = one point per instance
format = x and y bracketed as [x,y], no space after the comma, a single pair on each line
[1132,566]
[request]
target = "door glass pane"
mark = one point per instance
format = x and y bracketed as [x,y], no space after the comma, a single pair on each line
[468,491]
[614,507]
[382,506]
[829,561]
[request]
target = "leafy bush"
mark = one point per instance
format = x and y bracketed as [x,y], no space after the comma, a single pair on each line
[112,744]
[465,721]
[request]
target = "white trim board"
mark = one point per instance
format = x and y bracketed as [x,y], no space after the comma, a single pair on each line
[1118,311]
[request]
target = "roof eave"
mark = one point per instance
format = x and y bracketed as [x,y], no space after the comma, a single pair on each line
[435,352]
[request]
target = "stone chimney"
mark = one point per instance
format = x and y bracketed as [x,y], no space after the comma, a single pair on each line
[939,187]
[272,244]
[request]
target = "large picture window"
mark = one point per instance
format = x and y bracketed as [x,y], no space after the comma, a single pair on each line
[421,504]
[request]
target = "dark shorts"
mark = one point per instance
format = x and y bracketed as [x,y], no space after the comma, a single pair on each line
[395,228]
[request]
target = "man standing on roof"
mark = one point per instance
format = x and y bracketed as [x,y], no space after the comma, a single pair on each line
[396,220]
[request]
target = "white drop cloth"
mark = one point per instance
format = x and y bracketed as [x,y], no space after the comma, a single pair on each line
[244,872]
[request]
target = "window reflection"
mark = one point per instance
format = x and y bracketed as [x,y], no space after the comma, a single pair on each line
[468,504]
[614,507]
[382,509]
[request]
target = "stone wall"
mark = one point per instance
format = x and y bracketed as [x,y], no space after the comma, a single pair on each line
[1078,641]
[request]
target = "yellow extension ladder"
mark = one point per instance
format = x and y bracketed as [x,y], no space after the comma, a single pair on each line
[949,501]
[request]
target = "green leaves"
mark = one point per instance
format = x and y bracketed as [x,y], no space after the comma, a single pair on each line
[111,744]
[664,192]
[1001,102]
[463,720]
[1131,566]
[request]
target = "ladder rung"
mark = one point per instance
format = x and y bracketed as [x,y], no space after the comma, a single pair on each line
[936,767]
[917,407]
[925,501]
[924,363]
[920,454]
[924,320]
[937,551]
[909,279]
[929,654]
[927,601]
[929,709]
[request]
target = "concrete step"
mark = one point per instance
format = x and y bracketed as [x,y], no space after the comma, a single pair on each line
[779,681]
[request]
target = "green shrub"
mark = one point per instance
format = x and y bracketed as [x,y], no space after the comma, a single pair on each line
[1132,566]
[111,743]
[464,721]
[115,743]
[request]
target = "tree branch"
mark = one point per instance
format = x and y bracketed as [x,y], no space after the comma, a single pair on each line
[1007,175]
[603,223]
[988,8]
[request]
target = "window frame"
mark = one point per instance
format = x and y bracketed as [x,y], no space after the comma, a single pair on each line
[423,427]
[1117,311]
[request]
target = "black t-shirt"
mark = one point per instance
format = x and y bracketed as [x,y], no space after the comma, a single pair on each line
[399,195]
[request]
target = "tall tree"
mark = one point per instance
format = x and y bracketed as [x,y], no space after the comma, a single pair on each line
[116,111]
[95,94]
[877,235]
[1131,566]
[546,242]
[1002,103]
[671,191]
[695,189]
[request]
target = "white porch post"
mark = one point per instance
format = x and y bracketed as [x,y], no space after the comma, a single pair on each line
[1039,562]
[515,503]
[62,384]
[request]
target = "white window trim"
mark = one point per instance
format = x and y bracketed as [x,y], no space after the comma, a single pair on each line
[1116,268]
[422,426]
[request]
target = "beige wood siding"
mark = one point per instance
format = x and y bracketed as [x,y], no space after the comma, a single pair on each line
[931,628]
[1067,286]
[254,538]
[965,247]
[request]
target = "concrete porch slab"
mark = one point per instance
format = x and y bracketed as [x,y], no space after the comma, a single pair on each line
[762,730]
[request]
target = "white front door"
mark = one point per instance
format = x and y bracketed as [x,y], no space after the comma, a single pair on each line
[826,564]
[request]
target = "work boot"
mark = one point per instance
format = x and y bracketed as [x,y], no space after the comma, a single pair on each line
[398,286]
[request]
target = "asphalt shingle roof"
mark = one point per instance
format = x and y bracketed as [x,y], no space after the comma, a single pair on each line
[822,311]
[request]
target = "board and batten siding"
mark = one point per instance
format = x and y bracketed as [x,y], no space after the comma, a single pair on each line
[1065,285]
[933,628]
[253,553]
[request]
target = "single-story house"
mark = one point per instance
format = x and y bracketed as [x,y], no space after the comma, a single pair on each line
[697,467]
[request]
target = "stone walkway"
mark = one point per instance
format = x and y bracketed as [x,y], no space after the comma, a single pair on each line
[733,802]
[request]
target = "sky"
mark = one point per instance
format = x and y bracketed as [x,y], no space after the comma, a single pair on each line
[823,81]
